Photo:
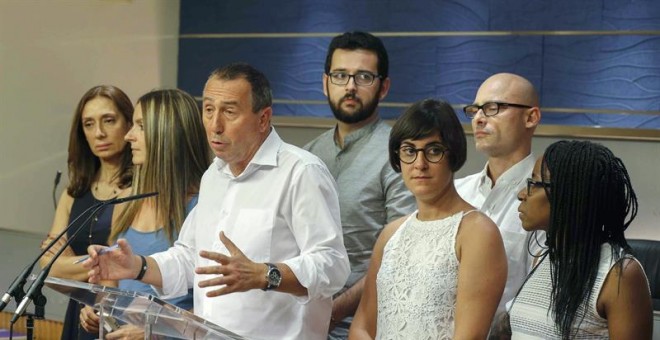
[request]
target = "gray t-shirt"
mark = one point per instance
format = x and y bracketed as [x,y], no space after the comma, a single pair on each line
[371,194]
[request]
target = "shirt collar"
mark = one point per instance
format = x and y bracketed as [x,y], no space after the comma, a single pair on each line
[514,175]
[265,155]
[357,134]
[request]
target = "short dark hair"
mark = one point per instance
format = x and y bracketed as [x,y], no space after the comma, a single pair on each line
[426,118]
[262,95]
[359,40]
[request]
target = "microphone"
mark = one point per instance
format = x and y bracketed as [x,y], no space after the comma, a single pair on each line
[16,288]
[131,198]
[58,176]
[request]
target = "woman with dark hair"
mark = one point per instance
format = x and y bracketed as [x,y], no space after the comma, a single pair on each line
[99,169]
[587,284]
[170,153]
[438,273]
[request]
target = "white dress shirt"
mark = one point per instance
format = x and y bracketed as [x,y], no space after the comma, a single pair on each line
[500,203]
[282,208]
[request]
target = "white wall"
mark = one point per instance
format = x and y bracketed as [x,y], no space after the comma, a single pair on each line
[51,52]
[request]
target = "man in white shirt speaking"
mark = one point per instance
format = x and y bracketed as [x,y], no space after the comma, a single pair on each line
[504,115]
[263,248]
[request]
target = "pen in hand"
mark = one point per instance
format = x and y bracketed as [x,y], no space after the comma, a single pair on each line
[101,252]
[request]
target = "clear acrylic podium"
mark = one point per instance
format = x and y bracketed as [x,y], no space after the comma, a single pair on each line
[140,309]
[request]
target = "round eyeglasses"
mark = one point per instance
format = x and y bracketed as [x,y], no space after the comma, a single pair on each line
[490,108]
[532,183]
[362,78]
[432,152]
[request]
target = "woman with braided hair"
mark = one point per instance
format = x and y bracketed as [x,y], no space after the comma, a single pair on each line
[587,284]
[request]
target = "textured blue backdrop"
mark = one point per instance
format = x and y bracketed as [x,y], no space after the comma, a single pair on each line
[590,60]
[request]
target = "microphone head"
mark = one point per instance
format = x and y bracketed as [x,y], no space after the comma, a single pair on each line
[58,176]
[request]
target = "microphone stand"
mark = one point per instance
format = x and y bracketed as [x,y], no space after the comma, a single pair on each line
[16,288]
[35,289]
[34,292]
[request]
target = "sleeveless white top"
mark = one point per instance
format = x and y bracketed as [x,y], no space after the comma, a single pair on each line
[418,279]
[531,314]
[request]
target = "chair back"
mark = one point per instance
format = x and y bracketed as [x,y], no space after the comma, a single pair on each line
[648,254]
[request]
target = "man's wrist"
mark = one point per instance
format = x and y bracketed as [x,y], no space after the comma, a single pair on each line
[263,276]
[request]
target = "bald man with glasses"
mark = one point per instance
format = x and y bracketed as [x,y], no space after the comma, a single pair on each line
[504,115]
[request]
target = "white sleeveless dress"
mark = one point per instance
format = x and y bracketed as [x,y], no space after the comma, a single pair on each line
[418,279]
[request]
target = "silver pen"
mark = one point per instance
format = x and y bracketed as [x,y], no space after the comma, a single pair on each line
[101,252]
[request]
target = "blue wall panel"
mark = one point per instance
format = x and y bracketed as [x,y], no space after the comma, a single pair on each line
[631,15]
[618,72]
[235,16]
[584,78]
[543,15]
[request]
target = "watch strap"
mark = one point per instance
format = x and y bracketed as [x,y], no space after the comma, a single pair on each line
[143,269]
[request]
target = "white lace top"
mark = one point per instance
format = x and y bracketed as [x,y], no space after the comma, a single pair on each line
[418,279]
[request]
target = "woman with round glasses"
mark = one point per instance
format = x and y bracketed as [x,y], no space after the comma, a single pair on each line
[440,272]
[587,285]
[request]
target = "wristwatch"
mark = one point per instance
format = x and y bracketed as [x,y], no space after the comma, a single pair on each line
[273,277]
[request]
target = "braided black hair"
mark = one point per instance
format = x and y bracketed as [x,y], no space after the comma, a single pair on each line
[591,202]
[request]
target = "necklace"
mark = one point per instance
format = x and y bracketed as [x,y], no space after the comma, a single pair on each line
[92,224]
[91,227]
[106,196]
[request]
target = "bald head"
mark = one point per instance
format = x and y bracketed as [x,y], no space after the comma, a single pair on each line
[508,88]
[507,135]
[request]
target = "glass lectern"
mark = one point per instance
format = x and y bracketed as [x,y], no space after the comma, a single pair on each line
[140,309]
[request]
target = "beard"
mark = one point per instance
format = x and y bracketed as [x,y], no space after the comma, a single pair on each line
[367,109]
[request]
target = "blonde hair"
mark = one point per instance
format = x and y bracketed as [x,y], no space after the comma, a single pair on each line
[177,156]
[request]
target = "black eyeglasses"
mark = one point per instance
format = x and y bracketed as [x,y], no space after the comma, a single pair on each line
[362,78]
[490,108]
[432,152]
[532,183]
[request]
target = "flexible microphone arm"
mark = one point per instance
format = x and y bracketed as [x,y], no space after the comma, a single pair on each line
[16,288]
[35,288]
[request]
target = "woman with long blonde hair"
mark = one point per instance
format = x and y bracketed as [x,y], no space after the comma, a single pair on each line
[170,154]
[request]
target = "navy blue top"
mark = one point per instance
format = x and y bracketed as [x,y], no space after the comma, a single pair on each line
[95,231]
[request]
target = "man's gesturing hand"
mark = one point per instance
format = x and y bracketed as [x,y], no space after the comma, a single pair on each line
[235,273]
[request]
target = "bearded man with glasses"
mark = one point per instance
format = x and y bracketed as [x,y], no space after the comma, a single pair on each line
[504,115]
[371,194]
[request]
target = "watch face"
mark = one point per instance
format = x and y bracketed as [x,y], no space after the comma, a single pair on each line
[273,276]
